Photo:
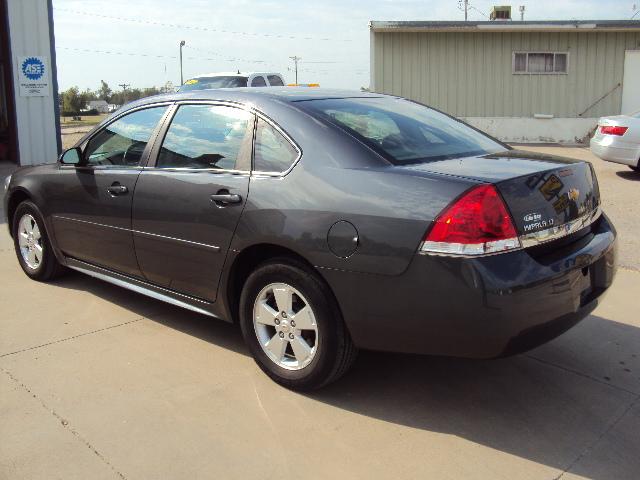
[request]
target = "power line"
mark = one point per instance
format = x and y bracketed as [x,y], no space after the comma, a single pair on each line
[113,52]
[234,59]
[174,57]
[196,27]
[465,6]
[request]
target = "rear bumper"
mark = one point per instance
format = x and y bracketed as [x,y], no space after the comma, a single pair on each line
[480,307]
[613,149]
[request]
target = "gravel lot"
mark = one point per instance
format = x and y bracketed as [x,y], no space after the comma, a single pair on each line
[97,382]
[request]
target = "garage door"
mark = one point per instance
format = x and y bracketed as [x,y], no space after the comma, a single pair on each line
[631,82]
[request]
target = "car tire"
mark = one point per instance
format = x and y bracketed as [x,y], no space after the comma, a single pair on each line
[275,340]
[635,169]
[32,245]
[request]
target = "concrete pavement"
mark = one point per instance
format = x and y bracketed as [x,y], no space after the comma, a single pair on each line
[99,382]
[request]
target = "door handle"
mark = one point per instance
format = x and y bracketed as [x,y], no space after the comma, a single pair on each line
[221,199]
[117,189]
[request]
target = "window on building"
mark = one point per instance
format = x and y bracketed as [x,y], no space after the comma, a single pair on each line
[540,63]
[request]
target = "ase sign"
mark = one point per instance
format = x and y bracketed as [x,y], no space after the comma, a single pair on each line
[33,76]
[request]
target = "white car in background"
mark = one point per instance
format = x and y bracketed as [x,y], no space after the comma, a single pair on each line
[232,80]
[617,139]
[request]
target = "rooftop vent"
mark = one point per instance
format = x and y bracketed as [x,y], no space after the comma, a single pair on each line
[501,12]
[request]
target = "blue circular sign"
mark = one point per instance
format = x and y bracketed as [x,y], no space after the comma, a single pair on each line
[33,68]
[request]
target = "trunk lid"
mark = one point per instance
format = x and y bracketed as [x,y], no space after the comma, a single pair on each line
[541,191]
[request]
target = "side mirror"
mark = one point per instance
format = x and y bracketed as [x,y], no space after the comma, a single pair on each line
[71,157]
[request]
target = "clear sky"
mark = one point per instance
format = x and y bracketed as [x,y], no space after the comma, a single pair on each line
[136,41]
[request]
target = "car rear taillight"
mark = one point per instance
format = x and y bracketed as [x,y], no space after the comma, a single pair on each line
[613,130]
[477,223]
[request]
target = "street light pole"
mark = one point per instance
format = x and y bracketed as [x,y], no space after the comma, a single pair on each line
[182,43]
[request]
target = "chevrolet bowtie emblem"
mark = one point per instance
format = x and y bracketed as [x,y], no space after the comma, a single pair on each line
[573,194]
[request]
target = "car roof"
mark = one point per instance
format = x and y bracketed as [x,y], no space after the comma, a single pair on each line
[233,74]
[258,95]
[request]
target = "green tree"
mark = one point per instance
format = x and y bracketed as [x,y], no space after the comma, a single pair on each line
[71,100]
[104,92]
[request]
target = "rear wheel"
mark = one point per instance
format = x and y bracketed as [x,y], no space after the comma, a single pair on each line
[293,327]
[635,169]
[32,244]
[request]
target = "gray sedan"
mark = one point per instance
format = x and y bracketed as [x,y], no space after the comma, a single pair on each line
[322,222]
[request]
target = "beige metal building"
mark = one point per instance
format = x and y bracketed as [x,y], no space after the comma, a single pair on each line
[544,81]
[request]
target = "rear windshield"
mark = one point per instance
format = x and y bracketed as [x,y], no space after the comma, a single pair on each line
[204,83]
[402,131]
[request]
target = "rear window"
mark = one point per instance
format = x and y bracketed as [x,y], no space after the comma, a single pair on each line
[204,83]
[402,131]
[275,81]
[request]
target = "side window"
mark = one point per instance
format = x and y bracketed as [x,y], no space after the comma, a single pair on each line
[273,152]
[258,82]
[122,142]
[275,81]
[205,136]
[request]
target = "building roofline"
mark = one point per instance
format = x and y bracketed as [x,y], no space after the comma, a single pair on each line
[506,26]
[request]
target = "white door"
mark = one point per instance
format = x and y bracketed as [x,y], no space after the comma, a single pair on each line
[631,82]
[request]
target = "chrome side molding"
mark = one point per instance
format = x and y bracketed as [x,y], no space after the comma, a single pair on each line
[138,288]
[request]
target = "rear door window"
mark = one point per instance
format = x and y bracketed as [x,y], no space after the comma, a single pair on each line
[258,82]
[275,81]
[121,143]
[206,137]
[272,152]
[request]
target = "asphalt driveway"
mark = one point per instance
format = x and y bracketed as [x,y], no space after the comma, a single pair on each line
[99,382]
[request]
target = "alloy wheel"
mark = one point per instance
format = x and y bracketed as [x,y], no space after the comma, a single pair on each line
[30,241]
[286,326]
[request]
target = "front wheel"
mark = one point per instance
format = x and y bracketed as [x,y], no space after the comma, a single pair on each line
[32,245]
[293,326]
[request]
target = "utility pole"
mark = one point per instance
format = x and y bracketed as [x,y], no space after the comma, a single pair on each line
[522,13]
[182,44]
[295,61]
[466,9]
[124,91]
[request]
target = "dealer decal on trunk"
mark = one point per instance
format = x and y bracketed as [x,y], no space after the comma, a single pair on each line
[535,222]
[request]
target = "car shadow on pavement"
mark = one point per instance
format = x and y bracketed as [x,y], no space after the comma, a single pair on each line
[629,175]
[551,405]
[206,328]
